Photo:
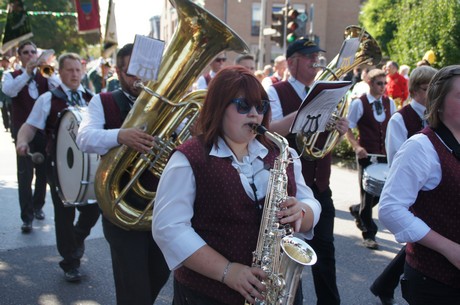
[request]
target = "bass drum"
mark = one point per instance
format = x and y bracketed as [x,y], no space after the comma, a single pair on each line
[74,170]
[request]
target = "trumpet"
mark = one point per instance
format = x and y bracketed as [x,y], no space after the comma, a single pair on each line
[46,70]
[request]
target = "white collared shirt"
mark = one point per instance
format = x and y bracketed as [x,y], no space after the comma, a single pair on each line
[275,103]
[356,111]
[175,197]
[42,108]
[397,132]
[12,86]
[416,166]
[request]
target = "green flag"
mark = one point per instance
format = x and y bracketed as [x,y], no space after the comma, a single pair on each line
[17,26]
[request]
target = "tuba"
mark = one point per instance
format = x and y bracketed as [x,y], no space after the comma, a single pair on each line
[368,53]
[278,253]
[163,111]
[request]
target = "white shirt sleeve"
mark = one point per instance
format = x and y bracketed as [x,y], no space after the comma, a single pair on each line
[92,137]
[40,112]
[201,83]
[396,135]
[355,112]
[171,225]
[416,167]
[12,86]
[275,104]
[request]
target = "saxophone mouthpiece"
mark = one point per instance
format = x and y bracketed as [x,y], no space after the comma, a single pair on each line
[258,129]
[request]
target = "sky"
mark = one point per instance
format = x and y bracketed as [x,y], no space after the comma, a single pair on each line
[132,17]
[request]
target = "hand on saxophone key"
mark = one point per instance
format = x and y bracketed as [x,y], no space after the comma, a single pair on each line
[247,281]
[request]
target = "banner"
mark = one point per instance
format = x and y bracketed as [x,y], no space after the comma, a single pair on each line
[111,39]
[88,16]
[17,27]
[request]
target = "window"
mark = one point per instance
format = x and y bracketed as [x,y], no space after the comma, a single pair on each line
[255,19]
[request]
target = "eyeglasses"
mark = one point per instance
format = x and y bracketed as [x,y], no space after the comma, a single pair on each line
[128,75]
[243,106]
[380,83]
[27,52]
[423,89]
[220,59]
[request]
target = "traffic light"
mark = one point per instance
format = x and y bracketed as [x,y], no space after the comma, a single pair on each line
[292,25]
[278,27]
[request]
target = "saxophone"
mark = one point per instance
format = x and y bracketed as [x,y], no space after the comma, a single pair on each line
[278,253]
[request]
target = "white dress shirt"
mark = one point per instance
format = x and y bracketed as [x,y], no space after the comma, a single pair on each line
[416,166]
[173,210]
[12,86]
[275,103]
[397,132]
[92,137]
[356,111]
[42,107]
[201,82]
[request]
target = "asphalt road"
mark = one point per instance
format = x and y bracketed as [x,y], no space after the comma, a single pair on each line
[29,271]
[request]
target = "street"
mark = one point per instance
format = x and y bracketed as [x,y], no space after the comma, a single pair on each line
[30,274]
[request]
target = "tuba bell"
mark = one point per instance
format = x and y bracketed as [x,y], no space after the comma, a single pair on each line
[161,110]
[368,53]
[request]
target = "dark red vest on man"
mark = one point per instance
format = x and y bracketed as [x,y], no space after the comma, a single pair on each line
[315,172]
[440,209]
[226,218]
[23,103]
[411,119]
[372,133]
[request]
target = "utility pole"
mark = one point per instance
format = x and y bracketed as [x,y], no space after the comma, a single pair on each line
[261,55]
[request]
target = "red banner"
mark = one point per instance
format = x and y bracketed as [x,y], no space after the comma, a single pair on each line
[88,16]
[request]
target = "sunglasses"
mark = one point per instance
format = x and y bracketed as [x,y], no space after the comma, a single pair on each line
[380,83]
[128,75]
[220,59]
[26,52]
[243,107]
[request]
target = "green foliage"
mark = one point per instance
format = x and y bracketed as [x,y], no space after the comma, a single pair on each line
[59,33]
[407,29]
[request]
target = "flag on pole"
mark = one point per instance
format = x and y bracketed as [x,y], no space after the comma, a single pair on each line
[17,27]
[111,39]
[88,16]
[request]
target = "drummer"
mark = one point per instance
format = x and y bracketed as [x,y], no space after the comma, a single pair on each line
[44,116]
[369,114]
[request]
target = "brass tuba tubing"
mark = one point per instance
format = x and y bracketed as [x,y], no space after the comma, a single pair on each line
[198,38]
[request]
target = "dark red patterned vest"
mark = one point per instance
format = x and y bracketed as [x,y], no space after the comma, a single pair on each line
[411,119]
[23,103]
[58,104]
[372,133]
[315,172]
[225,217]
[440,209]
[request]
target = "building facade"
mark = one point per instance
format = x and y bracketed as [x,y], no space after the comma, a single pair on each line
[326,22]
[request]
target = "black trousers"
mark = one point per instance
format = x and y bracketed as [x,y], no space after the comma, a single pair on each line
[324,274]
[417,289]
[139,268]
[70,235]
[26,170]
[388,280]
[368,201]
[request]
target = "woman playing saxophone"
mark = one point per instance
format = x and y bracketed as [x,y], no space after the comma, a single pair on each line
[210,198]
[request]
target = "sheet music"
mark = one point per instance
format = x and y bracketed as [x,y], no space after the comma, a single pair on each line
[316,109]
[146,57]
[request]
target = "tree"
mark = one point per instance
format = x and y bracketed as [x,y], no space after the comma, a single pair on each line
[405,37]
[59,33]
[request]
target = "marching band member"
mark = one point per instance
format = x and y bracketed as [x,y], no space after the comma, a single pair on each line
[24,86]
[370,114]
[210,197]
[139,268]
[424,210]
[402,125]
[70,237]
